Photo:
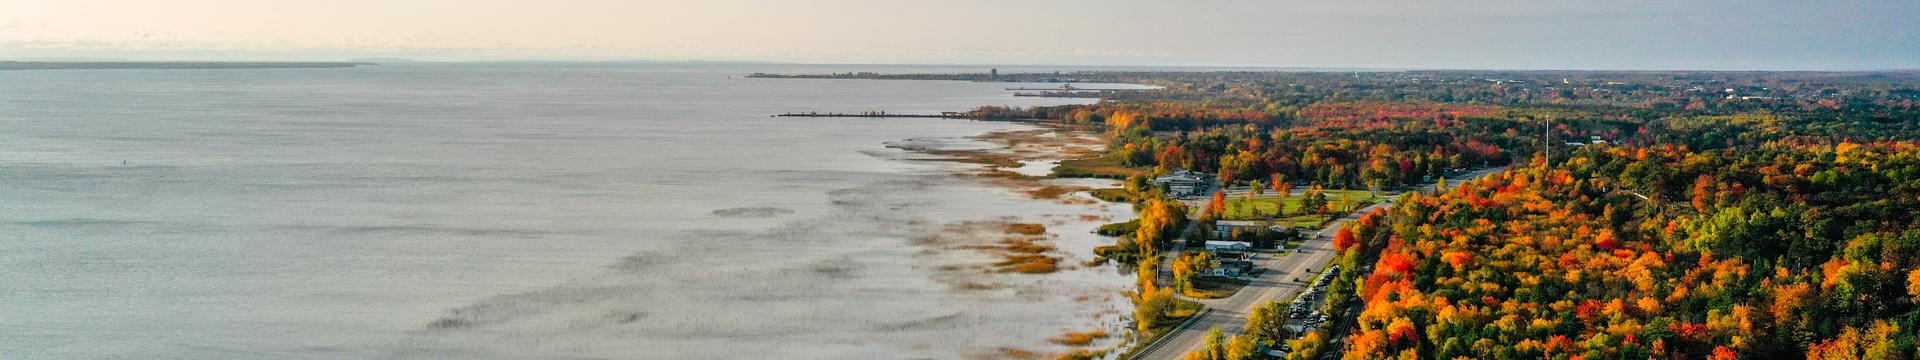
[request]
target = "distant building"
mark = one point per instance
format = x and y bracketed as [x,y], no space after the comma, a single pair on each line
[1594,139]
[1183,183]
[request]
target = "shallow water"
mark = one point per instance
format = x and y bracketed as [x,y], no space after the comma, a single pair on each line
[509,211]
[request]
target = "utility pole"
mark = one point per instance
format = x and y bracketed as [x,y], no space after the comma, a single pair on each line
[1549,142]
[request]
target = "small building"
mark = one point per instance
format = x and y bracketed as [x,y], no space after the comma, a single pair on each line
[1277,351]
[1183,183]
[1275,354]
[1234,268]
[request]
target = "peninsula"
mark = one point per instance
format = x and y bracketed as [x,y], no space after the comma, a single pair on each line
[170,65]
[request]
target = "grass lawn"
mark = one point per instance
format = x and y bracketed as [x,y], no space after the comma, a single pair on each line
[1216,287]
[1094,167]
[1119,228]
[1306,221]
[1181,312]
[1238,208]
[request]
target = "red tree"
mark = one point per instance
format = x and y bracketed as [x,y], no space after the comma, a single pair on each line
[1343,239]
[1218,206]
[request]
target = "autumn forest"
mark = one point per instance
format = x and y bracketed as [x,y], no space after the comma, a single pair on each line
[1672,215]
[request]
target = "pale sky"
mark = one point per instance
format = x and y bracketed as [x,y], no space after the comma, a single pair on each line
[1501,34]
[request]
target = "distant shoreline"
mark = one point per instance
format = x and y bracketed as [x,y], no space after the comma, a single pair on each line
[170,65]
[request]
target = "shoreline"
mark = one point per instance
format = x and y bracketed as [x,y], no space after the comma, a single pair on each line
[1020,162]
[954,259]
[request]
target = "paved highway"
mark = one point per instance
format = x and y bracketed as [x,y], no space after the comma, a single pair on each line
[1274,283]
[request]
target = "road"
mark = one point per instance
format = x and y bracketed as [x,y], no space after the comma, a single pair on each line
[1164,275]
[1275,282]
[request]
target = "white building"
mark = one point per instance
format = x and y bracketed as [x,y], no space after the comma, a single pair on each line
[1229,246]
[1183,183]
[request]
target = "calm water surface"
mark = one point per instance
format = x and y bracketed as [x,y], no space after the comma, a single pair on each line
[502,211]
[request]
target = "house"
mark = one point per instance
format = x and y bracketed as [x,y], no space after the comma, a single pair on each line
[1234,268]
[1183,183]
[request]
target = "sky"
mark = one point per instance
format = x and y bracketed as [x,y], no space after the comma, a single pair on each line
[1424,34]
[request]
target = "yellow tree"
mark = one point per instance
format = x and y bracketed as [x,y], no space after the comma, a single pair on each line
[1187,266]
[1267,323]
[1157,220]
[1913,284]
[1183,274]
[1308,347]
[1121,120]
[1152,308]
[1242,347]
[1216,345]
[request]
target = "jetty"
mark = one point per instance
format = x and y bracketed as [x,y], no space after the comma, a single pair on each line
[881,114]
[1065,94]
[1067,87]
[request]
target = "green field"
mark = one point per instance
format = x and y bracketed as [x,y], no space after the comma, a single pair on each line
[1238,208]
[1216,287]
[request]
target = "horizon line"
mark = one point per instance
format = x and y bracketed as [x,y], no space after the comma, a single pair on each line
[396,60]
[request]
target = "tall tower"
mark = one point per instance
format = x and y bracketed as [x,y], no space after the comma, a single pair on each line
[993,74]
